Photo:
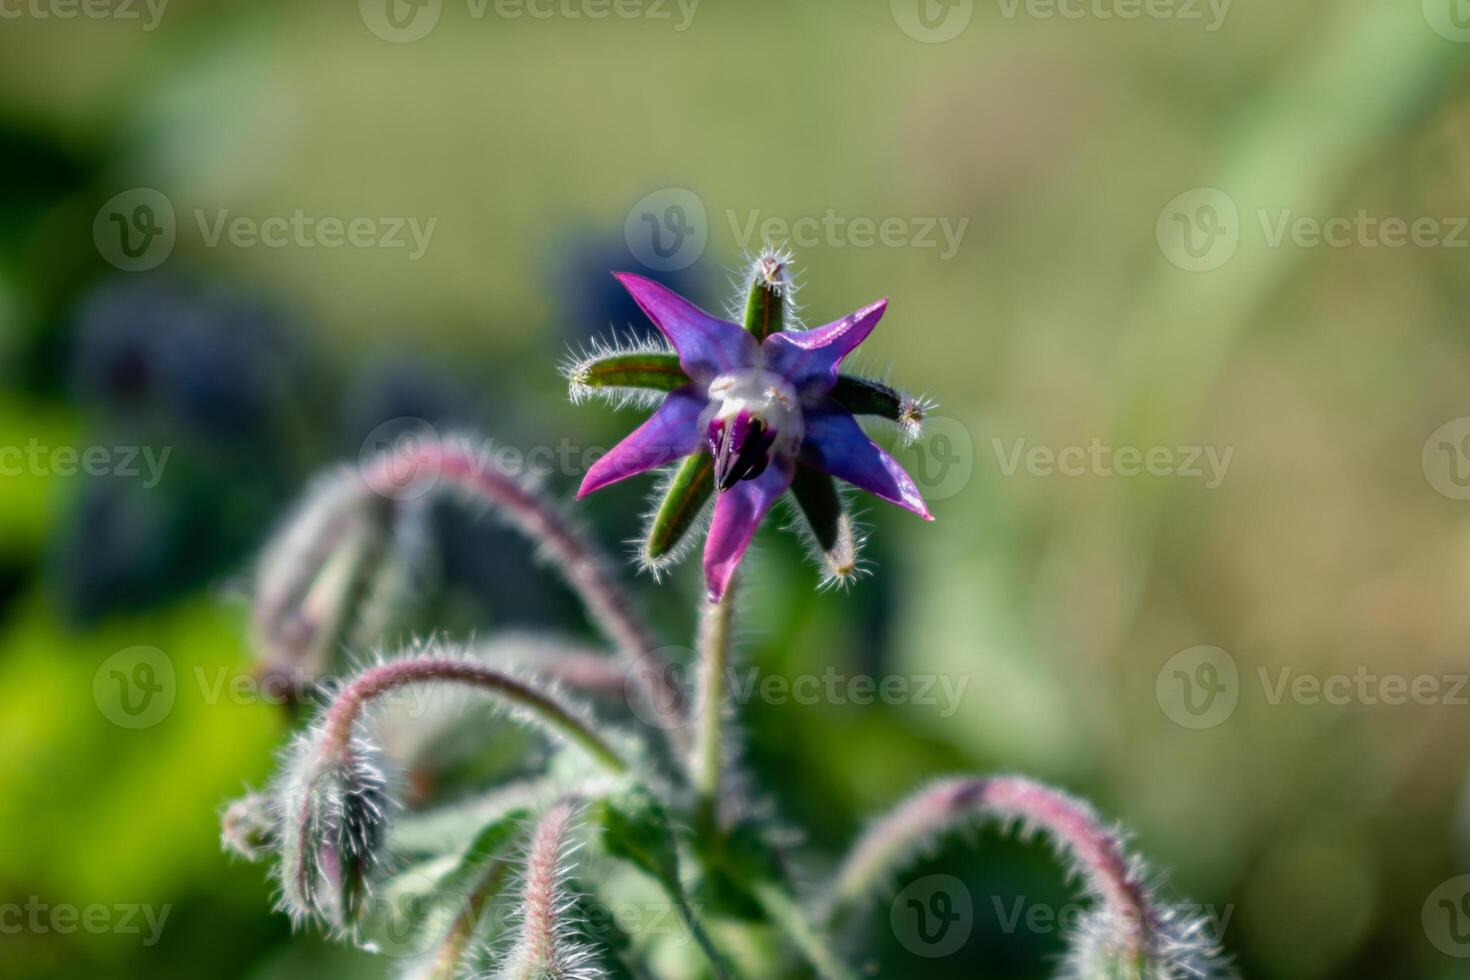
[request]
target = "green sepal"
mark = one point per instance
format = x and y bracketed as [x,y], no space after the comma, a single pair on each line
[816,495]
[648,370]
[765,307]
[688,491]
[861,396]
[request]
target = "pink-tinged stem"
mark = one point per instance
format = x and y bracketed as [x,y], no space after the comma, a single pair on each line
[342,716]
[1097,851]
[540,935]
[578,560]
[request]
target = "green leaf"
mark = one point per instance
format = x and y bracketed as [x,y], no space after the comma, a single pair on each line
[416,909]
[457,826]
[635,828]
[688,491]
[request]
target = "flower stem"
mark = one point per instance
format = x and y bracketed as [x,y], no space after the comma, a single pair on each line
[447,962]
[782,910]
[714,660]
[341,717]
[719,966]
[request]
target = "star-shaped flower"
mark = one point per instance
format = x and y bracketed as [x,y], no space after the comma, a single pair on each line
[753,411]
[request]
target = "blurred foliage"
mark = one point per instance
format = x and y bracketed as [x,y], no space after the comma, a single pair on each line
[1321,828]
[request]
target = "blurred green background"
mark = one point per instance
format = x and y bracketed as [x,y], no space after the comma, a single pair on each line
[1084,299]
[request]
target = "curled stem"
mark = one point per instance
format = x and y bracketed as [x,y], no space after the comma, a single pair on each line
[582,669]
[579,562]
[1096,851]
[336,738]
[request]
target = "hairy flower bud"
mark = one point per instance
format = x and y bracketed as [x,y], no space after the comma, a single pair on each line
[334,809]
[249,826]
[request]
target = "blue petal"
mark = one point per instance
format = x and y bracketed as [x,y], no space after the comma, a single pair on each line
[809,358]
[707,346]
[837,445]
[670,433]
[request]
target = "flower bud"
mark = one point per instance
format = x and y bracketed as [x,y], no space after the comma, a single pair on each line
[334,813]
[249,826]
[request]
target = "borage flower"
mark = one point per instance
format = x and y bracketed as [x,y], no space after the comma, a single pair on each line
[753,411]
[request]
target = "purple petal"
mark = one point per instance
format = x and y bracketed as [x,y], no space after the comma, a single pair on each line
[707,346]
[738,511]
[809,358]
[671,432]
[837,445]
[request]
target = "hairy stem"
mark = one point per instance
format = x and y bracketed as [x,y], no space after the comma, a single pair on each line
[343,714]
[1097,851]
[545,949]
[719,966]
[580,563]
[714,660]
[446,964]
